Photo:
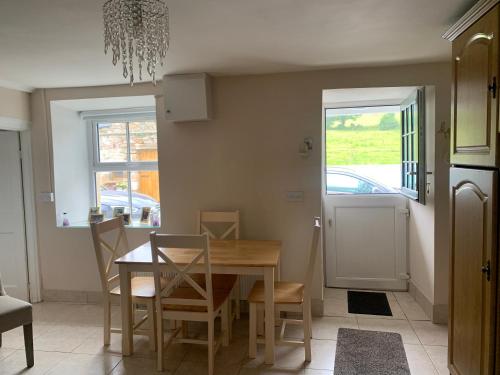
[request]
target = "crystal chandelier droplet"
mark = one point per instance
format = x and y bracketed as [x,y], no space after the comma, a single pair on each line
[136,30]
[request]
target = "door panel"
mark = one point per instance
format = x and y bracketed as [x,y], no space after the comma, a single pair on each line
[473,236]
[13,265]
[474,130]
[366,241]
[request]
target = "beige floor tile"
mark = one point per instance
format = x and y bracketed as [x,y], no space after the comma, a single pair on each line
[5,352]
[197,368]
[431,334]
[410,307]
[139,366]
[418,360]
[271,371]
[15,363]
[84,364]
[62,338]
[387,325]
[439,356]
[234,353]
[327,327]
[317,372]
[14,339]
[323,355]
[93,344]
[285,357]
[336,307]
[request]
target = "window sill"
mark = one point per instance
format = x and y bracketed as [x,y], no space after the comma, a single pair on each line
[86,225]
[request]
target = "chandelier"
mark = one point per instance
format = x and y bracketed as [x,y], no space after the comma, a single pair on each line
[136,30]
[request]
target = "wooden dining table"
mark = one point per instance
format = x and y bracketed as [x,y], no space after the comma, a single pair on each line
[240,257]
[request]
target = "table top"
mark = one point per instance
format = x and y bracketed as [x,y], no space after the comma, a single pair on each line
[230,253]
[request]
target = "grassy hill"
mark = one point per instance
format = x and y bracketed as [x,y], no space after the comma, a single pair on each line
[362,140]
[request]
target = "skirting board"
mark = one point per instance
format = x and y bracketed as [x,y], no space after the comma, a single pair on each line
[74,296]
[437,313]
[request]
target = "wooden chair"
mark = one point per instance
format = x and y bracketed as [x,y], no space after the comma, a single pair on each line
[193,303]
[224,281]
[143,289]
[288,297]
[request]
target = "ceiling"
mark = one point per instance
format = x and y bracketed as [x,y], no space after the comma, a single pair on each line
[59,43]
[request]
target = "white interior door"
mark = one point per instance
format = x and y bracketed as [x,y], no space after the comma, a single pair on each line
[366,241]
[13,261]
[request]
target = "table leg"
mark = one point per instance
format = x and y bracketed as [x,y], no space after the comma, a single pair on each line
[269,314]
[126,307]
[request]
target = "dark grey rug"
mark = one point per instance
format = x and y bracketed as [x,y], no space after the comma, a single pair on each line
[370,353]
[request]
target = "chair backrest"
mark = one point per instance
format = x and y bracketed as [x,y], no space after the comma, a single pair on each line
[312,255]
[221,217]
[200,248]
[106,254]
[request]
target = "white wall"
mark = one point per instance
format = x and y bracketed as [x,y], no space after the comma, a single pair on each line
[71,163]
[15,111]
[246,158]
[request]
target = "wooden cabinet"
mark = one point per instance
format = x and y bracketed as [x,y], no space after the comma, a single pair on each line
[475,93]
[473,271]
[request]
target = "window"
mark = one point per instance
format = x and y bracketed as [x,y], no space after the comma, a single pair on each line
[413,172]
[125,165]
[378,149]
[363,150]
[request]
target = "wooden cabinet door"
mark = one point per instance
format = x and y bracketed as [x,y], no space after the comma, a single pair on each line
[475,93]
[472,271]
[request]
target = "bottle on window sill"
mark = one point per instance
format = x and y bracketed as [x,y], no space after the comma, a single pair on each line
[65,221]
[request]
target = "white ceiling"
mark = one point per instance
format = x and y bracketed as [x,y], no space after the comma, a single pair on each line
[56,43]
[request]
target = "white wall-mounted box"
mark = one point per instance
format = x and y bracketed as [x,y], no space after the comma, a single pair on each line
[188,97]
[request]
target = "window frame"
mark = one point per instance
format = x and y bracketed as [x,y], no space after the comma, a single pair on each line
[127,166]
[416,104]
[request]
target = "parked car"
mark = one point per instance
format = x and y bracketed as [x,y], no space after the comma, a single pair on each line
[344,181]
[119,198]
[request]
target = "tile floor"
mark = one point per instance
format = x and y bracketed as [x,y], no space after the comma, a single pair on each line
[68,340]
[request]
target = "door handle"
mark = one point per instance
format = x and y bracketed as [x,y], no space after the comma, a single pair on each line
[330,223]
[486,269]
[493,88]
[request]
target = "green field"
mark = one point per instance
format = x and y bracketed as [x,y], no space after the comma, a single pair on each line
[367,139]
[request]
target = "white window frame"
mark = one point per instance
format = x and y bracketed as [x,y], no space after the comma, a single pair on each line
[129,166]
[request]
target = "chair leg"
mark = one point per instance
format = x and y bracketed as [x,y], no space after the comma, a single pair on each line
[159,338]
[237,298]
[211,346]
[107,321]
[0,339]
[260,321]
[152,325]
[252,343]
[225,322]
[306,322]
[28,344]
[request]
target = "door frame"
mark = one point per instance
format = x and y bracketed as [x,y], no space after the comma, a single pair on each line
[33,265]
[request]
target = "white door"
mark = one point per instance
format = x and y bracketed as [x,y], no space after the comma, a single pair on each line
[13,261]
[366,241]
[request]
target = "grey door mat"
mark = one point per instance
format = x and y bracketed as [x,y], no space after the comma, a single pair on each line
[370,353]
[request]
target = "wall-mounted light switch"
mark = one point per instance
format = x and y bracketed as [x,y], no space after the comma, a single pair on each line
[295,196]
